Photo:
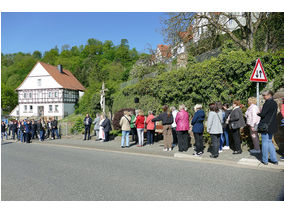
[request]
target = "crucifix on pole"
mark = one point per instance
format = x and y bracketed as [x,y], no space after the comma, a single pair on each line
[103,99]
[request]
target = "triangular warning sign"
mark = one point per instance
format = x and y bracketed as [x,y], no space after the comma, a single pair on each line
[258,74]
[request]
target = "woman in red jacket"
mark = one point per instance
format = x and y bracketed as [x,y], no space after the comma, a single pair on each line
[140,125]
[150,128]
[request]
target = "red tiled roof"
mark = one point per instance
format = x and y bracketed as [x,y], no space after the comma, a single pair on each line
[66,79]
[165,50]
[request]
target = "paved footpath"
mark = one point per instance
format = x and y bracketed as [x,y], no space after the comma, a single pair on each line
[226,157]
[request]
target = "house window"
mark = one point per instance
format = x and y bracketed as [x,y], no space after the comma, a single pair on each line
[55,94]
[25,108]
[30,95]
[25,95]
[50,108]
[31,108]
[56,108]
[39,82]
[49,94]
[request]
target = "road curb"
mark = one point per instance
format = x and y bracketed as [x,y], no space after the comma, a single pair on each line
[244,161]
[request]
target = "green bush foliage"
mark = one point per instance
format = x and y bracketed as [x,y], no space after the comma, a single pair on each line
[78,126]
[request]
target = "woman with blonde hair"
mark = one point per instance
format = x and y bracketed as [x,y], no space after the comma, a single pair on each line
[252,121]
[125,127]
[140,124]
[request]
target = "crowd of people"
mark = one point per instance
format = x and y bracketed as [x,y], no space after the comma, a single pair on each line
[27,130]
[222,120]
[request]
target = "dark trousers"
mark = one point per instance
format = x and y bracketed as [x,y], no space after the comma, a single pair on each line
[55,131]
[237,139]
[215,140]
[174,133]
[48,133]
[13,134]
[106,136]
[87,132]
[183,140]
[28,137]
[134,135]
[25,136]
[198,141]
[150,136]
[41,135]
[34,135]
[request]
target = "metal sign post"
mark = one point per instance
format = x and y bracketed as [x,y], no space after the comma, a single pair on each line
[257,93]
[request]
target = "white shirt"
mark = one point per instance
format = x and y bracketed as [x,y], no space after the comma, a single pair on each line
[174,113]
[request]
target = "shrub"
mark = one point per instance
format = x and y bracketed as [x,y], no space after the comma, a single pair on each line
[78,127]
[117,117]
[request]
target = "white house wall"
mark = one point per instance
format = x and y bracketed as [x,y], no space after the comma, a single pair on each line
[47,81]
[34,112]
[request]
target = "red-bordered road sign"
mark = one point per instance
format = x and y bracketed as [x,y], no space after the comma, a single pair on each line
[258,74]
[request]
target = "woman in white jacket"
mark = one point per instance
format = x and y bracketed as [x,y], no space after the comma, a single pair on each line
[252,120]
[215,129]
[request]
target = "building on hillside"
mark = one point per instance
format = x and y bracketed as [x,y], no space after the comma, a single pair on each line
[163,53]
[47,91]
[230,23]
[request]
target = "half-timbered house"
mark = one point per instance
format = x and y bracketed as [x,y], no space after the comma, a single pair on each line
[48,91]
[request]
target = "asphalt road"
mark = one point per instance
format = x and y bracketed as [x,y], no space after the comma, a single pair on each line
[49,172]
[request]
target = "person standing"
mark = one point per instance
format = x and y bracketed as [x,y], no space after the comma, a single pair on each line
[28,130]
[10,124]
[87,123]
[14,129]
[125,127]
[34,129]
[226,129]
[167,119]
[236,121]
[107,127]
[101,131]
[174,125]
[49,129]
[40,127]
[23,132]
[221,114]
[133,127]
[150,128]
[182,121]
[97,126]
[140,124]
[198,128]
[268,127]
[214,128]
[18,130]
[252,121]
[54,125]
[3,130]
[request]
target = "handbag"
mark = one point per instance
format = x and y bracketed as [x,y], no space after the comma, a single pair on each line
[263,127]
[234,126]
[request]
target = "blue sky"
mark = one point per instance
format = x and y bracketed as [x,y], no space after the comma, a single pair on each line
[27,32]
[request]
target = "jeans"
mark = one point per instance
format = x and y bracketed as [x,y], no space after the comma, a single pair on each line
[215,140]
[140,133]
[150,136]
[237,139]
[19,134]
[22,137]
[198,141]
[226,134]
[4,134]
[268,148]
[41,135]
[125,134]
[183,140]
[55,131]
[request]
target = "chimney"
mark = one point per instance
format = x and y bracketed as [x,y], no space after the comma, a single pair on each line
[60,68]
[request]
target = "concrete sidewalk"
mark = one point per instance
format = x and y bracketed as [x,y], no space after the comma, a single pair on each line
[157,149]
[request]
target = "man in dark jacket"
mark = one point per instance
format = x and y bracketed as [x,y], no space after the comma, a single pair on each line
[87,122]
[34,129]
[3,130]
[107,128]
[54,124]
[14,129]
[268,116]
